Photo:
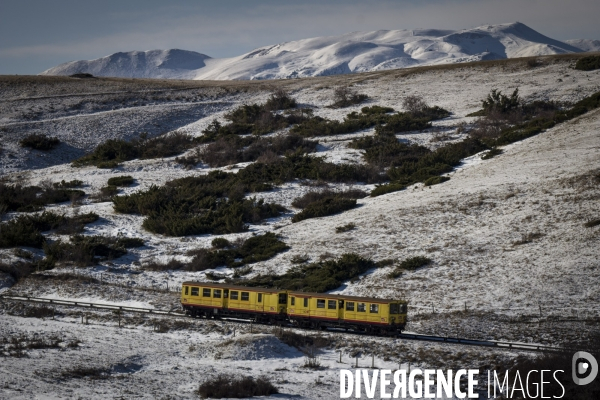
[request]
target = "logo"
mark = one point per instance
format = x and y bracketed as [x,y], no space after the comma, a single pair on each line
[584,367]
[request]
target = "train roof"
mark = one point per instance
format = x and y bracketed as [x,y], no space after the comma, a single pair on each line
[343,297]
[292,292]
[234,287]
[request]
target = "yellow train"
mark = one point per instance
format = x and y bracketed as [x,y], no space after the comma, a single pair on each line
[301,309]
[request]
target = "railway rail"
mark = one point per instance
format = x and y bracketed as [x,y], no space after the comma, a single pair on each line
[170,313]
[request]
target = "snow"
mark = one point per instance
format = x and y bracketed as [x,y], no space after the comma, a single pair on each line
[320,56]
[470,226]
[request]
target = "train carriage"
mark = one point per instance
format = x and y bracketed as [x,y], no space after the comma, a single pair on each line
[368,314]
[201,299]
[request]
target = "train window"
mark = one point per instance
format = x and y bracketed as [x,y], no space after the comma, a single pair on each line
[186,290]
[320,303]
[361,307]
[234,295]
[260,297]
[331,304]
[292,301]
[374,308]
[205,292]
[217,293]
[245,296]
[306,302]
[394,308]
[194,291]
[283,298]
[403,309]
[349,306]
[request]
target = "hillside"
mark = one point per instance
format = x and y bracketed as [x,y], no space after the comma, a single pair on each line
[511,239]
[321,56]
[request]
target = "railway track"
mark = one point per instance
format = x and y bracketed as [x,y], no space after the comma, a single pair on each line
[171,313]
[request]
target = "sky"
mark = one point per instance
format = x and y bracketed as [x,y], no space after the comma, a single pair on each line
[38,34]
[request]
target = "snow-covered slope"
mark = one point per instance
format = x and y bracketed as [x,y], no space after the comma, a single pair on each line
[171,64]
[352,52]
[585,44]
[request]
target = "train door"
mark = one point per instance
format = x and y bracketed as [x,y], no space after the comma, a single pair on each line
[340,313]
[225,298]
[350,310]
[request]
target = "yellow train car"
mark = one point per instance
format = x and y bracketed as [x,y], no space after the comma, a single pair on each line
[216,300]
[367,314]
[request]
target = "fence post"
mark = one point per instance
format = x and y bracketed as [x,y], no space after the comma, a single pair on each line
[340,356]
[372,361]
[465,306]
[540,310]
[356,365]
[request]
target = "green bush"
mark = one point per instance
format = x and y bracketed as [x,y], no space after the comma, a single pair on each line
[254,249]
[314,196]
[26,230]
[124,180]
[324,207]
[84,251]
[435,180]
[220,243]
[345,228]
[410,264]
[67,185]
[494,151]
[39,142]
[387,188]
[280,100]
[33,198]
[588,63]
[114,151]
[344,96]
[317,277]
[229,386]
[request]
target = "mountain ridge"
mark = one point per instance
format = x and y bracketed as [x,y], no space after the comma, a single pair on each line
[331,55]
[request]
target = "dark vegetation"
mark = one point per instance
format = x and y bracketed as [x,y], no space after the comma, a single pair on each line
[39,142]
[85,251]
[67,185]
[505,119]
[592,223]
[215,203]
[114,151]
[589,63]
[324,207]
[316,277]
[124,180]
[344,96]
[325,202]
[345,228]
[225,253]
[26,230]
[34,198]
[229,386]
[410,264]
[234,149]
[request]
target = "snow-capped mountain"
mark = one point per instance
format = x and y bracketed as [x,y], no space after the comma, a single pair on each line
[352,52]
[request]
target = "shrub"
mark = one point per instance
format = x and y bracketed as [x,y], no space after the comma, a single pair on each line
[324,207]
[228,386]
[114,151]
[18,270]
[435,180]
[67,185]
[33,198]
[314,196]
[494,151]
[124,180]
[498,102]
[410,264]
[387,188]
[344,96]
[25,230]
[345,228]
[84,250]
[220,243]
[280,100]
[318,277]
[39,142]
[588,63]
[592,223]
